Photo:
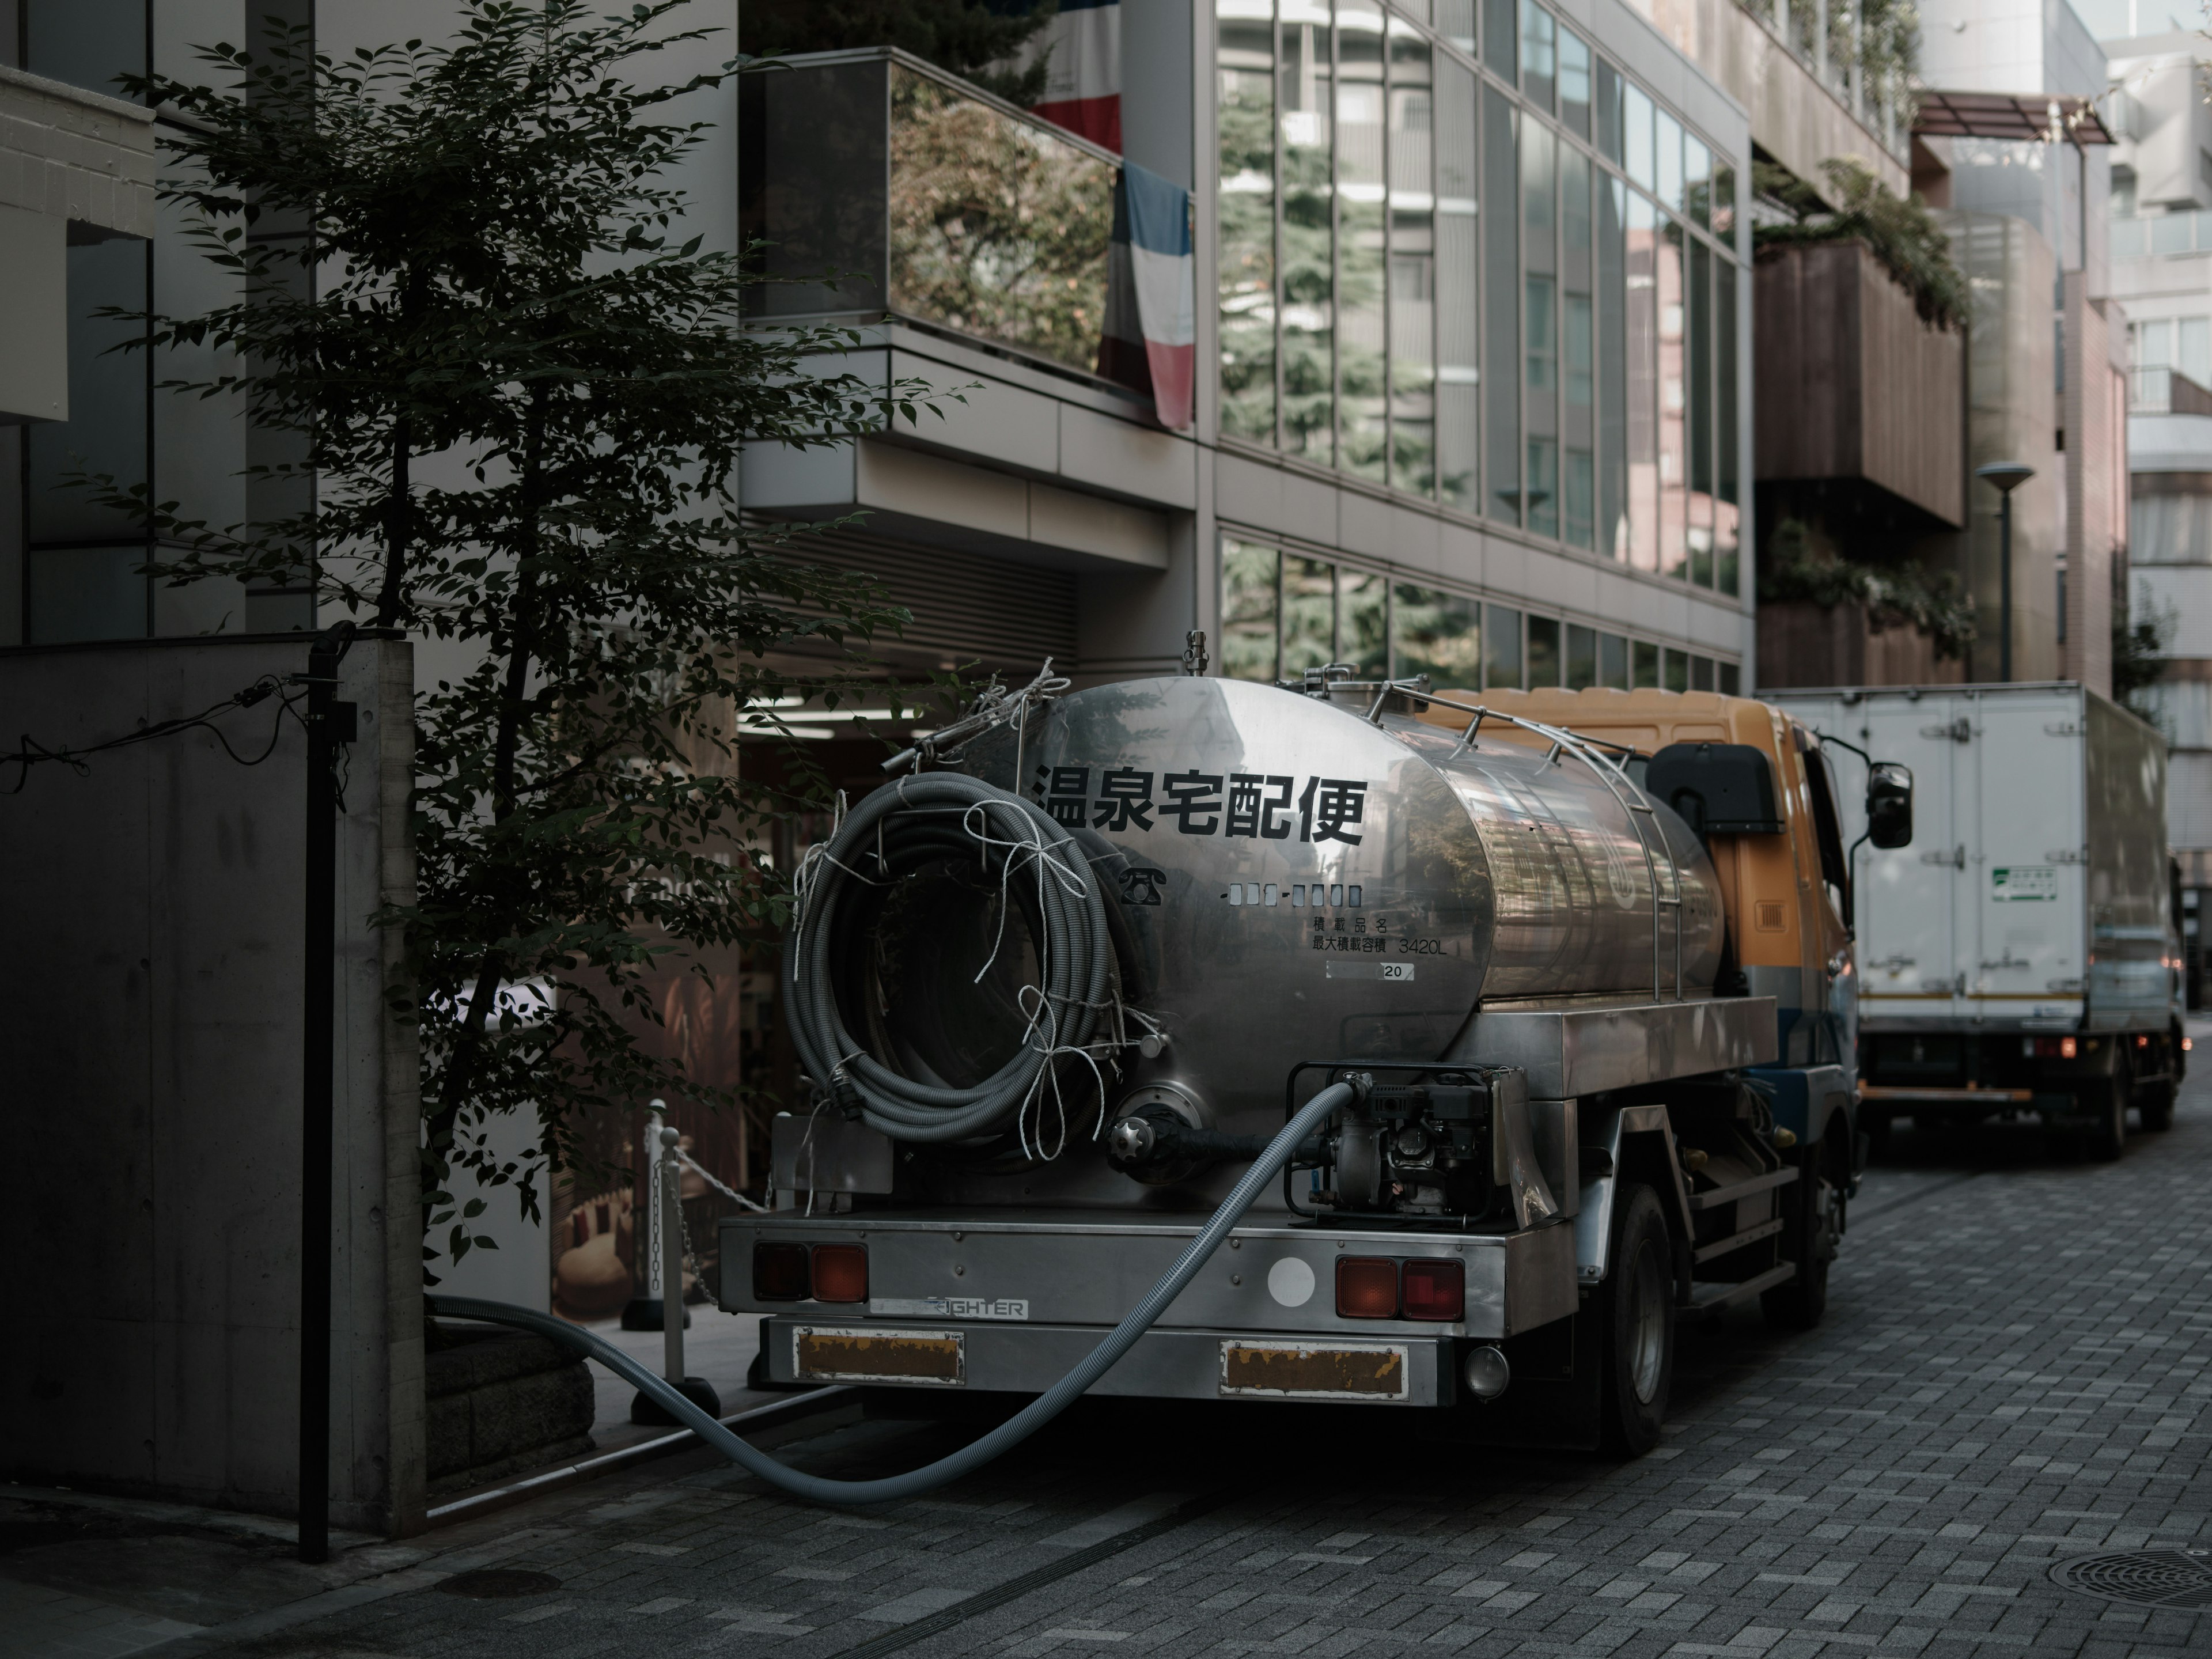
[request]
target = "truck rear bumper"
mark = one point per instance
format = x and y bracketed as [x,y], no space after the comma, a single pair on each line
[1165,1364]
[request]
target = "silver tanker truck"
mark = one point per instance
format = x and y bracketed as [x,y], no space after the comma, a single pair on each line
[1571,968]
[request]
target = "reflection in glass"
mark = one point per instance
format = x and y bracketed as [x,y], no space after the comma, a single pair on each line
[1309,615]
[998,229]
[1455,23]
[1363,609]
[1246,58]
[1667,158]
[1436,634]
[1701,673]
[1501,647]
[1577,353]
[80,43]
[1538,63]
[1412,264]
[1249,603]
[1501,271]
[1673,396]
[1731,679]
[1724,203]
[1697,350]
[108,392]
[1543,652]
[1697,183]
[1613,662]
[1728,513]
[1581,657]
[1498,49]
[1574,83]
[1362,407]
[1644,671]
[1578,499]
[1304,100]
[1540,325]
[1643,384]
[1678,670]
[1458,323]
[1611,117]
[1613,520]
[78,593]
[1544,486]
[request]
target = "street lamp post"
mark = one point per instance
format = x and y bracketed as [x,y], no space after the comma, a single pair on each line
[2007,476]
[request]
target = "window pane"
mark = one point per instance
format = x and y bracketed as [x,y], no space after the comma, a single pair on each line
[1644,672]
[1246,205]
[1678,670]
[1668,162]
[1457,319]
[1498,42]
[1540,325]
[1577,353]
[1578,499]
[1613,662]
[1362,407]
[1538,67]
[1362,602]
[1613,368]
[1581,658]
[1674,397]
[1637,136]
[1722,197]
[1501,647]
[1455,23]
[1697,348]
[1309,615]
[1501,270]
[1574,83]
[1303,102]
[1643,384]
[1728,514]
[1701,673]
[1697,181]
[1248,612]
[1543,651]
[87,593]
[1544,486]
[105,432]
[85,43]
[1731,680]
[1412,264]
[1612,118]
[1437,636]
[2193,348]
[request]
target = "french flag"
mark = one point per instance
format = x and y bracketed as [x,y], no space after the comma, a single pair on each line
[1081,49]
[1149,341]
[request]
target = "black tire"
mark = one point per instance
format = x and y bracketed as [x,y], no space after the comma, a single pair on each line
[2107,1136]
[1812,1231]
[1639,1323]
[2154,1101]
[1877,1133]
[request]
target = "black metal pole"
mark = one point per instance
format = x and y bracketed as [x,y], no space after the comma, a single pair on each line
[2004,585]
[319,936]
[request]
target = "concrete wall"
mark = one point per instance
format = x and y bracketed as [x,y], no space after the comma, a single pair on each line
[151,1008]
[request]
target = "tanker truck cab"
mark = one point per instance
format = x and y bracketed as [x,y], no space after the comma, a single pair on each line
[1431,1050]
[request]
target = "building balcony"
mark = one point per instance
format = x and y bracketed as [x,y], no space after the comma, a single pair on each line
[1852,384]
[2166,392]
[884,188]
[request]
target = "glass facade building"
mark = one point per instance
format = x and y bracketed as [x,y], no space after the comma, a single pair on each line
[1469,259]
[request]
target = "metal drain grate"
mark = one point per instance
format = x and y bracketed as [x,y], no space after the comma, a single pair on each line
[2155,1578]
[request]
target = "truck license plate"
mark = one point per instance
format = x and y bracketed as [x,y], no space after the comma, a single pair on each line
[844,1355]
[1310,1371]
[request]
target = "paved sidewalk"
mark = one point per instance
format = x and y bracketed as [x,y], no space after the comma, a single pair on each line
[2013,1371]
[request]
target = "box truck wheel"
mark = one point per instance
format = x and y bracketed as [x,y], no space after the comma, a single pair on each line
[2154,1101]
[2107,1099]
[1638,1325]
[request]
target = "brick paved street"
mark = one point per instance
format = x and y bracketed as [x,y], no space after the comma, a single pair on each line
[2013,1371]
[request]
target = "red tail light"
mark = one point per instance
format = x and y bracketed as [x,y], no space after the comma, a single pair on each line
[780,1273]
[840,1273]
[1366,1287]
[1436,1289]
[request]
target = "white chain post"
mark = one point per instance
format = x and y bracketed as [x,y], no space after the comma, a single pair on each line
[668,1171]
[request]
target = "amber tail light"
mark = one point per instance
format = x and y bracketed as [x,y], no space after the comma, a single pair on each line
[1366,1287]
[840,1273]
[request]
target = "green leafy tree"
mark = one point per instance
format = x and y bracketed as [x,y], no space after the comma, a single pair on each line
[976,40]
[481,271]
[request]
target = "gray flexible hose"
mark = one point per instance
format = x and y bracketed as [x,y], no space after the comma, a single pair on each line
[910,823]
[1009,1434]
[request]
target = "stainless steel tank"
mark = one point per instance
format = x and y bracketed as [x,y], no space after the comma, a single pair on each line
[1302,882]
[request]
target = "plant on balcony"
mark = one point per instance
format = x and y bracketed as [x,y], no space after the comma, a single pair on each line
[1899,232]
[1877,46]
[998,227]
[1898,595]
[976,40]
[2140,638]
[487,226]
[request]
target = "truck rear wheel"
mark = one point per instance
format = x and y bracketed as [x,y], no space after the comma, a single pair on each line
[1812,1226]
[1638,1325]
[2108,1133]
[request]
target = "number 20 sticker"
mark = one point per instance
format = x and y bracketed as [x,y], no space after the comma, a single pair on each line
[1395,969]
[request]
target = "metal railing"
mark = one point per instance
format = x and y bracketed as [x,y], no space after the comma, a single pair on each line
[2166,392]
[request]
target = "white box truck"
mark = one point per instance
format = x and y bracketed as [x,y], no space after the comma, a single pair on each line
[2021,957]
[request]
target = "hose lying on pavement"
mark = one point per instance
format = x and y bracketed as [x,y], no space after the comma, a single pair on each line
[1009,1434]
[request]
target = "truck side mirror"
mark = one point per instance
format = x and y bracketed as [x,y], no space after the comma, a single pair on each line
[1889,805]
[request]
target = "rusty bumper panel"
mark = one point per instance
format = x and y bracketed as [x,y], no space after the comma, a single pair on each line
[1306,1372]
[842,1355]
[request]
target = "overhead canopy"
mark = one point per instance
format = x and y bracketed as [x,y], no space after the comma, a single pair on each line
[2026,120]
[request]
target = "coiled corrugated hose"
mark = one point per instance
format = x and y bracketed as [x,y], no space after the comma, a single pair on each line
[1009,1434]
[916,822]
